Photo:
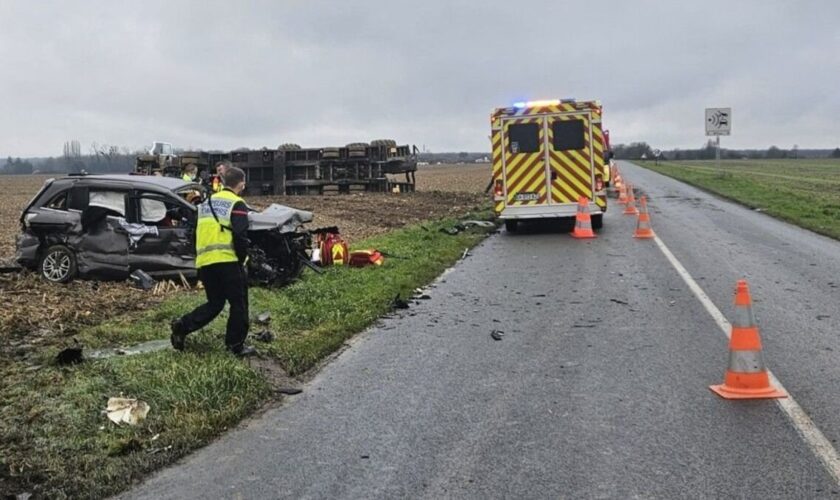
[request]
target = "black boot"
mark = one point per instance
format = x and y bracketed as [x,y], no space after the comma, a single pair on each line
[178,337]
[243,351]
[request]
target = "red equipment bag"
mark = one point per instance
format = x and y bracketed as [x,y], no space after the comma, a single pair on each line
[362,258]
[333,249]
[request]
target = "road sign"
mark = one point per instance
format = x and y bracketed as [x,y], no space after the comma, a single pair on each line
[718,121]
[656,153]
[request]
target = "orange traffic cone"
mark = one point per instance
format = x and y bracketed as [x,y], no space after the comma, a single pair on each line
[643,229]
[631,202]
[746,377]
[583,223]
[622,193]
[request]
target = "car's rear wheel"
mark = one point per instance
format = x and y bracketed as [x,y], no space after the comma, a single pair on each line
[58,264]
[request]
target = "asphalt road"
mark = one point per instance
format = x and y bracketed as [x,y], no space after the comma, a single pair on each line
[598,388]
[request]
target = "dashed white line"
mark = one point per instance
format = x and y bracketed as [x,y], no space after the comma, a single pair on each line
[810,433]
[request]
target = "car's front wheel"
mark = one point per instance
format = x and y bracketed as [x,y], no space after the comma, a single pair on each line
[58,264]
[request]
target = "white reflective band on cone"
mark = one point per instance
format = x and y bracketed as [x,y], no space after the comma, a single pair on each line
[746,361]
[744,317]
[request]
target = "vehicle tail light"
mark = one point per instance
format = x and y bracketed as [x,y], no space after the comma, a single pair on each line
[599,184]
[499,190]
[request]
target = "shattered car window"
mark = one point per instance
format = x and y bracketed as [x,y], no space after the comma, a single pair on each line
[59,202]
[111,200]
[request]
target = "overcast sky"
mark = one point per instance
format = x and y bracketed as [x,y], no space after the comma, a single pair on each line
[222,75]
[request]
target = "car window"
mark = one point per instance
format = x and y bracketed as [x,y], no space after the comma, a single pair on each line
[58,202]
[109,199]
[156,210]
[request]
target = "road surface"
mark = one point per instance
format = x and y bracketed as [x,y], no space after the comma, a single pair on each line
[598,388]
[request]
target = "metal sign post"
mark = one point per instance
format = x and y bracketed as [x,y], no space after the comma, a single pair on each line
[718,123]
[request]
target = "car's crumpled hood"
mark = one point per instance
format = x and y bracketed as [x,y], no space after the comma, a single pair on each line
[280,217]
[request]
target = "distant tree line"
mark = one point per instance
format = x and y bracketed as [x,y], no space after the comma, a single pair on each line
[101,158]
[636,150]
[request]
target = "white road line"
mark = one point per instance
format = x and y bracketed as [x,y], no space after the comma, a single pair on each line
[811,434]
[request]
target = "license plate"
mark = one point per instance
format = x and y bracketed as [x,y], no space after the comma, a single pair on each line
[527,197]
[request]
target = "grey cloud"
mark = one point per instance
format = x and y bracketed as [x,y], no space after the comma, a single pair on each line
[230,74]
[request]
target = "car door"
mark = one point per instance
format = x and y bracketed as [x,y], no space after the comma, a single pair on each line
[162,234]
[101,245]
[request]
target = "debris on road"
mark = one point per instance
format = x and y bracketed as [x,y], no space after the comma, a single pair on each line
[497,334]
[617,301]
[289,391]
[126,410]
[399,303]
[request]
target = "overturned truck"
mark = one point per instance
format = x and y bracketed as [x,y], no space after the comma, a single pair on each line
[108,226]
[380,165]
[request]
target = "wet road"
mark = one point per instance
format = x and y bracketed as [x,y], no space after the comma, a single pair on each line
[598,388]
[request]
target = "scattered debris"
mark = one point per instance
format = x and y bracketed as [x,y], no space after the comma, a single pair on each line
[399,303]
[290,391]
[70,355]
[821,317]
[620,302]
[141,348]
[264,336]
[466,252]
[497,334]
[264,318]
[126,410]
[141,279]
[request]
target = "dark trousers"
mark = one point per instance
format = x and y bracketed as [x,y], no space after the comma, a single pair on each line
[225,282]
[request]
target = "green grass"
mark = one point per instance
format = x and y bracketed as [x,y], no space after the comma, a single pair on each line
[802,192]
[56,442]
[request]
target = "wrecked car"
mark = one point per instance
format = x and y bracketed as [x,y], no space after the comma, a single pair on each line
[108,226]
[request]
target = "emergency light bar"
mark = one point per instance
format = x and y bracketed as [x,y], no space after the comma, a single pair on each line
[546,102]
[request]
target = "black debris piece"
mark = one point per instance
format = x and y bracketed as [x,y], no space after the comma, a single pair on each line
[399,303]
[264,336]
[70,356]
[497,334]
[620,302]
[291,391]
[140,279]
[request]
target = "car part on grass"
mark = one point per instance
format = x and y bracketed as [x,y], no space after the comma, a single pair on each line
[140,279]
[264,336]
[70,356]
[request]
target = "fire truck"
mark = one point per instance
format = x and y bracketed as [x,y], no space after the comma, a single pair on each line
[546,156]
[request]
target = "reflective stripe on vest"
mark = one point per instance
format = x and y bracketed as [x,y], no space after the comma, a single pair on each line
[214,239]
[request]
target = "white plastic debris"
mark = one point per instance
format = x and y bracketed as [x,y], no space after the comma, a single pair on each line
[126,410]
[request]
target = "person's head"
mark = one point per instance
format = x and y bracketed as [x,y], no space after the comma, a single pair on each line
[222,166]
[234,179]
[191,169]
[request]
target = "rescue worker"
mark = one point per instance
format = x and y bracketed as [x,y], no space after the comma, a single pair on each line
[217,183]
[190,173]
[221,252]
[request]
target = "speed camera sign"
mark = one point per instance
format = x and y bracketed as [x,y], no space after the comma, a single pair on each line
[718,121]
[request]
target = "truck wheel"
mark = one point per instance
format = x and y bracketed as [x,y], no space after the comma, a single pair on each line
[58,264]
[597,221]
[511,225]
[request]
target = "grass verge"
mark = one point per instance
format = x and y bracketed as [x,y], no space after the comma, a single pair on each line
[801,192]
[57,444]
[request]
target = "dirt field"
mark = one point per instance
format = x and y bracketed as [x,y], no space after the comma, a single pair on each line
[37,312]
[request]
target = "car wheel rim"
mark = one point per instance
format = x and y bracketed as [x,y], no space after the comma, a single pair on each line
[57,266]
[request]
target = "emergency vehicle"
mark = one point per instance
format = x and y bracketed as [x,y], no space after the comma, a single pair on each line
[546,155]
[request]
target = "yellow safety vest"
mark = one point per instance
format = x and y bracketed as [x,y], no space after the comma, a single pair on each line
[214,234]
[187,177]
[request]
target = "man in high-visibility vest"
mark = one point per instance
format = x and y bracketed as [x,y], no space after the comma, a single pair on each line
[221,246]
[217,182]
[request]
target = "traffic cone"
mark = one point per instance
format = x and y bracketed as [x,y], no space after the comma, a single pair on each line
[643,229]
[583,223]
[746,377]
[622,194]
[631,202]
[619,186]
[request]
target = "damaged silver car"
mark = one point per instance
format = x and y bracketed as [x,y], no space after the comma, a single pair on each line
[108,226]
